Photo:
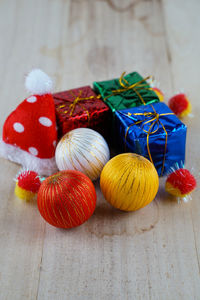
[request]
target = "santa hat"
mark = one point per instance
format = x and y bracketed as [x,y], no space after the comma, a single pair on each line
[29,132]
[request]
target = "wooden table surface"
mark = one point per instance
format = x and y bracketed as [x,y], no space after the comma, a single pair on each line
[150,254]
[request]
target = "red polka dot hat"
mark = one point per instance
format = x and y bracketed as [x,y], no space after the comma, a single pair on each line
[29,132]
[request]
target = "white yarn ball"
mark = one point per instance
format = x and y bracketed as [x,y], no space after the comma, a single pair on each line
[84,150]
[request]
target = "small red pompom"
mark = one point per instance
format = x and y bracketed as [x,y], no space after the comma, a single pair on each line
[180,105]
[27,185]
[66,199]
[180,183]
[29,180]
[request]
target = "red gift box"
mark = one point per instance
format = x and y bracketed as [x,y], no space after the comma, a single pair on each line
[81,107]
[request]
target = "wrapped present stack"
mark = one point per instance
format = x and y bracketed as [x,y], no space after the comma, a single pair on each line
[142,124]
[131,107]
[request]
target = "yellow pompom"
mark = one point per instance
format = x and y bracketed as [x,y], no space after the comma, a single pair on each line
[129,181]
[24,194]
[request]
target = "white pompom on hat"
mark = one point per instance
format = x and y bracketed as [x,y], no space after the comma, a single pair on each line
[39,83]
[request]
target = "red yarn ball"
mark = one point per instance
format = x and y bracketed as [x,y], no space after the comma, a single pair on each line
[180,105]
[180,183]
[29,181]
[66,199]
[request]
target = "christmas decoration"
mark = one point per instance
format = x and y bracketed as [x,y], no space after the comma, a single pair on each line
[128,91]
[129,109]
[66,199]
[129,181]
[84,150]
[81,107]
[27,185]
[180,183]
[180,105]
[152,131]
[29,133]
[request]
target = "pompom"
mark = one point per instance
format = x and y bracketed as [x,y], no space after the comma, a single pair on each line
[66,199]
[180,105]
[180,183]
[129,181]
[38,83]
[159,93]
[27,185]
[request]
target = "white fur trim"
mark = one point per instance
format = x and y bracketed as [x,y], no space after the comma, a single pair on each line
[43,166]
[39,83]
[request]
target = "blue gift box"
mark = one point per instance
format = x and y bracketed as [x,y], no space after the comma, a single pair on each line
[154,132]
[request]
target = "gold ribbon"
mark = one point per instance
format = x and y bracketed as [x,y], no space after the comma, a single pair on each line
[154,119]
[126,86]
[77,100]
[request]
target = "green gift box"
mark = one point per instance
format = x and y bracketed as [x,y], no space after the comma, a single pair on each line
[125,92]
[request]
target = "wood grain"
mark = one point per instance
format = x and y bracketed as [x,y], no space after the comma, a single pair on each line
[153,253]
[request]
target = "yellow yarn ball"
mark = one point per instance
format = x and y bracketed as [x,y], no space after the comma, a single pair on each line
[129,181]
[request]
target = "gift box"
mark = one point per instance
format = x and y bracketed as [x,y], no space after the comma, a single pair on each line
[81,107]
[127,91]
[154,132]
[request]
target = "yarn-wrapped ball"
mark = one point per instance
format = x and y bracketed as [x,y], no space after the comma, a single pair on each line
[66,199]
[27,185]
[159,93]
[84,150]
[180,183]
[180,105]
[129,181]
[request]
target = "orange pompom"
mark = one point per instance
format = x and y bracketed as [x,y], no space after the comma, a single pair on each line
[66,199]
[180,183]
[159,93]
[27,185]
[180,105]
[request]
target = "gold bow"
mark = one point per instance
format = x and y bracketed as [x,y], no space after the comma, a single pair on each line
[77,100]
[152,118]
[126,86]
